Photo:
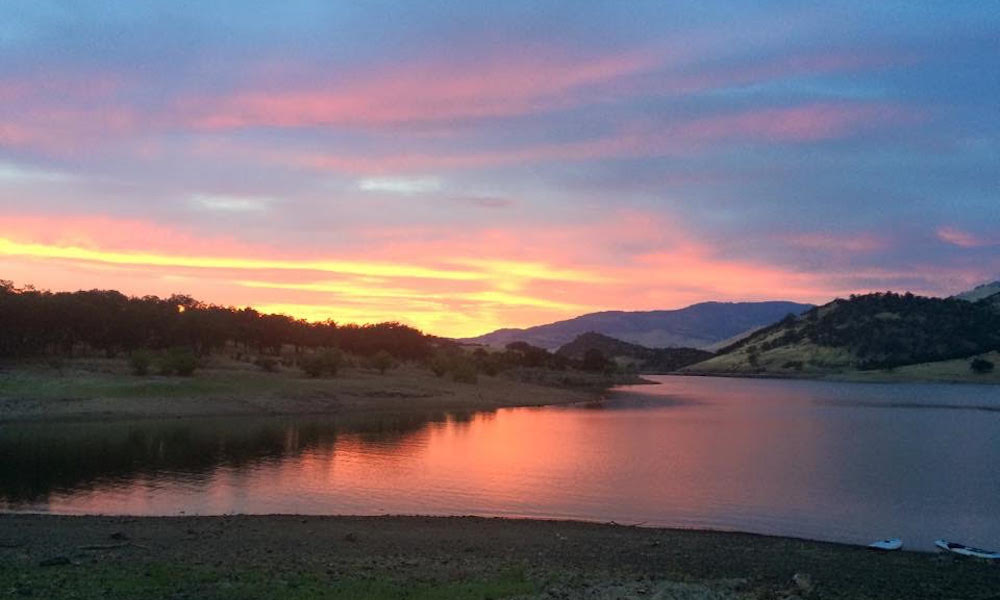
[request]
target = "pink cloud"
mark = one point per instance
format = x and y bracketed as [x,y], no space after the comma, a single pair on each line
[66,113]
[515,83]
[799,124]
[964,239]
[422,92]
[69,113]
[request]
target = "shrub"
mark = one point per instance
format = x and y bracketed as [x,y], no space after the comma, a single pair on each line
[439,364]
[981,366]
[312,365]
[266,363]
[381,361]
[181,361]
[487,362]
[322,363]
[332,360]
[464,371]
[139,361]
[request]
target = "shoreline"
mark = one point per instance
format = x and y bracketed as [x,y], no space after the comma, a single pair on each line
[444,557]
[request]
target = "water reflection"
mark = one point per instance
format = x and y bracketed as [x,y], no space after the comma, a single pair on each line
[845,462]
[41,459]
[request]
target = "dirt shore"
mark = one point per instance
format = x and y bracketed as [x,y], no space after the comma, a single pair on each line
[103,390]
[462,557]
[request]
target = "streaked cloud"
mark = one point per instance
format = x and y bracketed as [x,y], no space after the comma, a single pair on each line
[488,86]
[809,123]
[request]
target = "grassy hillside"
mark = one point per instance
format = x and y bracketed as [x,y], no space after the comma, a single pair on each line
[869,333]
[957,369]
[647,360]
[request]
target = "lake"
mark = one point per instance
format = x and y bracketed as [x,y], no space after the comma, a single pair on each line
[823,460]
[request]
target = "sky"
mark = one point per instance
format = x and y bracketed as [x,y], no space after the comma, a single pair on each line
[464,166]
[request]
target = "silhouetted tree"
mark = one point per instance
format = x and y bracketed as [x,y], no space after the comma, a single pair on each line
[981,365]
[40,323]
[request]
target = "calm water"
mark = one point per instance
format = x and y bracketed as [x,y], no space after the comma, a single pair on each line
[843,462]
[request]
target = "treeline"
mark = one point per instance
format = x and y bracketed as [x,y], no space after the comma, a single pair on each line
[43,323]
[167,335]
[885,330]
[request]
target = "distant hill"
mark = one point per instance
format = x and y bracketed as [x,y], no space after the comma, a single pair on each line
[874,331]
[979,292]
[697,326]
[649,360]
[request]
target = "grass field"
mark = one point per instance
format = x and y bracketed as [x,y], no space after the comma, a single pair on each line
[104,388]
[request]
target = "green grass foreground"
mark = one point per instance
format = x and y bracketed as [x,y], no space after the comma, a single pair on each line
[451,558]
[101,581]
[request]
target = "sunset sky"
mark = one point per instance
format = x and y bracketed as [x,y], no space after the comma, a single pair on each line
[464,166]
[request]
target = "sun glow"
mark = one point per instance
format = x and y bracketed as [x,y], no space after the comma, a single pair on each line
[453,297]
[13,248]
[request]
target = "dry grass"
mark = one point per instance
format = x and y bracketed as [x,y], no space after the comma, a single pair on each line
[89,389]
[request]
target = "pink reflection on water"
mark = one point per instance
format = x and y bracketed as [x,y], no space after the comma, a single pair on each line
[795,458]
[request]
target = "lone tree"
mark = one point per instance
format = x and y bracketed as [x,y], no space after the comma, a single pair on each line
[981,365]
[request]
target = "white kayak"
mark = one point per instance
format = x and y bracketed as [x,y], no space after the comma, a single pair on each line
[965,550]
[889,544]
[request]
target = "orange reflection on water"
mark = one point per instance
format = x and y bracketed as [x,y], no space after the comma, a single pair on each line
[799,458]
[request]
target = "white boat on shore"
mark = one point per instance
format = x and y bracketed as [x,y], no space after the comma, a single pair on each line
[887,545]
[966,550]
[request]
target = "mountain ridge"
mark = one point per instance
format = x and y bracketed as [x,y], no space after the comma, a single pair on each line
[698,325]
